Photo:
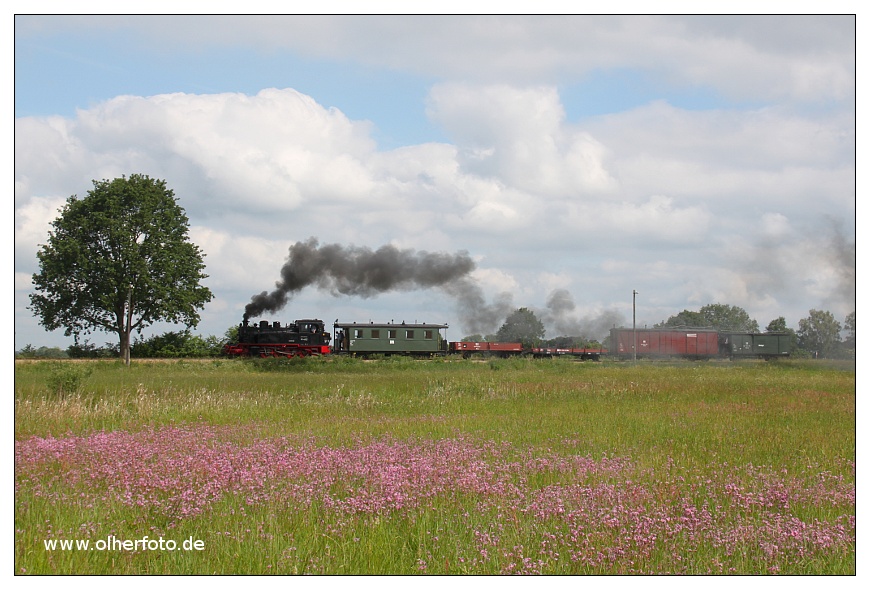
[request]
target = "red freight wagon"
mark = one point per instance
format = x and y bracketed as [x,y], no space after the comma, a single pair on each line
[665,342]
[499,348]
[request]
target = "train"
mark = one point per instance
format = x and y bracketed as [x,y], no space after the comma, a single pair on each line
[698,343]
[309,337]
[270,339]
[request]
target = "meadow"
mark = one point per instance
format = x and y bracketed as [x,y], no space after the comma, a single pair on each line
[396,466]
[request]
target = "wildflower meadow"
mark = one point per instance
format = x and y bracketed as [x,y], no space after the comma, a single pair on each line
[395,466]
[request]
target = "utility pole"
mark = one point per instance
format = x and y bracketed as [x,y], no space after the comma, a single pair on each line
[634,323]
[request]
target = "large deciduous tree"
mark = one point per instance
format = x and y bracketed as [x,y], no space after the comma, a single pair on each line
[119,260]
[521,326]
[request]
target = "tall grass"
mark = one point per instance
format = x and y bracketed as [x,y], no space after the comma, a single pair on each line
[507,466]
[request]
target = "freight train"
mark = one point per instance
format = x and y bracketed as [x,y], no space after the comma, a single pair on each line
[698,343]
[309,337]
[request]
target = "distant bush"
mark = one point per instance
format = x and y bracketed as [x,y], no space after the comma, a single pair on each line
[66,379]
[177,345]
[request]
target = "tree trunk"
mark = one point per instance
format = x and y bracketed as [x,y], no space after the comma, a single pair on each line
[128,325]
[124,352]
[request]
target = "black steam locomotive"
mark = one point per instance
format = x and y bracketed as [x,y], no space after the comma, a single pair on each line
[297,339]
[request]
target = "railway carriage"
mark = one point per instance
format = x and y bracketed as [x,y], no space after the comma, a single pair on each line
[390,339]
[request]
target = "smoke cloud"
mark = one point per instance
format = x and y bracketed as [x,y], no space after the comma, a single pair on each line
[476,315]
[841,253]
[559,320]
[362,272]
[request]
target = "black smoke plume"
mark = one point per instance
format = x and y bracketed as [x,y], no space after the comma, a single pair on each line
[360,271]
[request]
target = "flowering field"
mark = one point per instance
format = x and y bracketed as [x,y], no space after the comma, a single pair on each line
[437,467]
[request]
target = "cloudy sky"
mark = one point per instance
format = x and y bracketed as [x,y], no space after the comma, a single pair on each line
[697,160]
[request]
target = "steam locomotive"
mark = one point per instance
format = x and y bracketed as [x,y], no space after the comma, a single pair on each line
[297,339]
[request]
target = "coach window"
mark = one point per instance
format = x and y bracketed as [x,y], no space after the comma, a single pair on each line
[357,333]
[376,333]
[427,334]
[409,334]
[391,333]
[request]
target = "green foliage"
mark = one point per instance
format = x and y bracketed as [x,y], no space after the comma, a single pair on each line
[715,315]
[43,352]
[849,342]
[819,333]
[119,260]
[232,334]
[177,345]
[87,350]
[572,342]
[686,318]
[65,379]
[521,326]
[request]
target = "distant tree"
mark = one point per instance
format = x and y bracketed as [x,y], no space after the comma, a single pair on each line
[521,326]
[573,342]
[686,318]
[729,317]
[565,342]
[850,330]
[166,345]
[819,333]
[177,345]
[85,349]
[715,315]
[43,352]
[231,335]
[849,342]
[779,325]
[27,352]
[119,260]
[473,338]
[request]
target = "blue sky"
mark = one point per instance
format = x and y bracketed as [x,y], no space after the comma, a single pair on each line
[696,159]
[60,72]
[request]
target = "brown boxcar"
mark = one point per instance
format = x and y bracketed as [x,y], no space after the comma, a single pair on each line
[690,343]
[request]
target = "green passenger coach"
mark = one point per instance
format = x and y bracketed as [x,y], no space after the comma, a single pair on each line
[387,339]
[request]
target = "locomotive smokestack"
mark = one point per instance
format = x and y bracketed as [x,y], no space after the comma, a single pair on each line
[359,271]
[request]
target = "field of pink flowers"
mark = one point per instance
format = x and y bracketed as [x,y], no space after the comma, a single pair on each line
[467,503]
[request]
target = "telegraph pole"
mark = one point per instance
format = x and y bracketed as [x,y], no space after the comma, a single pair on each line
[634,323]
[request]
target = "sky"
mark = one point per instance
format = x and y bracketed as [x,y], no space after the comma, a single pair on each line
[574,159]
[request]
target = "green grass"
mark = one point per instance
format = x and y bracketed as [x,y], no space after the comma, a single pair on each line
[713,437]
